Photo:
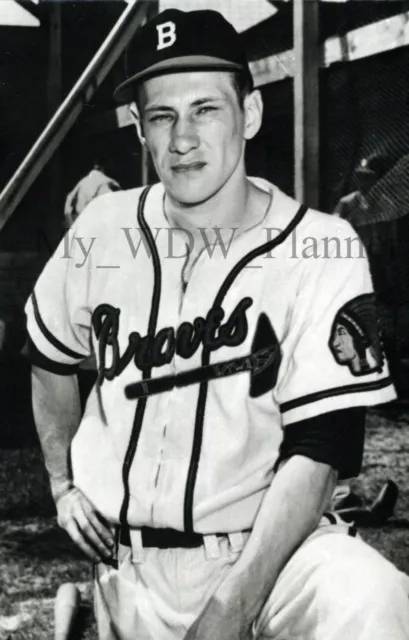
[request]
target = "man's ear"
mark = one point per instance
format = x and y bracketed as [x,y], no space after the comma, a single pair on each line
[136,119]
[253,114]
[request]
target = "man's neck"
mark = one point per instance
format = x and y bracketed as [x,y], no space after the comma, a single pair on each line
[227,209]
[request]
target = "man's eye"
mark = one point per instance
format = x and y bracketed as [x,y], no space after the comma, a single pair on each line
[204,110]
[161,117]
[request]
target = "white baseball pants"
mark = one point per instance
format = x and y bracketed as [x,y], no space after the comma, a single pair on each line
[335,587]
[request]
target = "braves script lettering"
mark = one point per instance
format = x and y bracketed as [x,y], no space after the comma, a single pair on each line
[157,350]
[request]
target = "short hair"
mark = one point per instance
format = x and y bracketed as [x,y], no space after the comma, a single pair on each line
[242,85]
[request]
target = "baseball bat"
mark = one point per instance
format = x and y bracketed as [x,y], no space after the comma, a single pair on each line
[66,608]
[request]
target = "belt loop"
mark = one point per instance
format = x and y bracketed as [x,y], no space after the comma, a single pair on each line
[236,541]
[212,549]
[138,554]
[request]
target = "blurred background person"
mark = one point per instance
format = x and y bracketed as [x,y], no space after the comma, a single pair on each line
[94,184]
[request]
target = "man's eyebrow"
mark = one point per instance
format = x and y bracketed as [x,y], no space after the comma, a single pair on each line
[200,101]
[158,107]
[195,103]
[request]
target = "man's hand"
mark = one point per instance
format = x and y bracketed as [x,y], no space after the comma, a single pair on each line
[221,622]
[291,509]
[86,527]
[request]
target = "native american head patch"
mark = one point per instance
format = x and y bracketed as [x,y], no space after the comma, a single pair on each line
[355,341]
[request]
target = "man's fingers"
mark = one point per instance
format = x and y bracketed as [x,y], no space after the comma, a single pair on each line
[76,535]
[99,525]
[78,517]
[90,534]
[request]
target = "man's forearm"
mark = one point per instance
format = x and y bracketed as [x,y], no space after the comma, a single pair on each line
[290,511]
[57,414]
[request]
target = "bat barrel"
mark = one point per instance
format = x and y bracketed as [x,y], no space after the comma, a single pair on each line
[66,607]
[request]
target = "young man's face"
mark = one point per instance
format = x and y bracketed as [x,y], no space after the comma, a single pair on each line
[194,127]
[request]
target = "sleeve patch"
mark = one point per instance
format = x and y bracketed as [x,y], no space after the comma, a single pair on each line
[354,341]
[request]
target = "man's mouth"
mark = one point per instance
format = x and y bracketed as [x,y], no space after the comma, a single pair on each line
[188,166]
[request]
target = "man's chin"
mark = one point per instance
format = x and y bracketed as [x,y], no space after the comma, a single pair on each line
[190,196]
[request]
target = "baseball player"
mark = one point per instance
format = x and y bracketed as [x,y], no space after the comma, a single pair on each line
[223,412]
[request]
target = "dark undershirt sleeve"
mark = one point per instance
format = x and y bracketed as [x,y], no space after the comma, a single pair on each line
[335,438]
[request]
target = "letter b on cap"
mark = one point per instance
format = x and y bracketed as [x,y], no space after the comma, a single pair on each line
[166,35]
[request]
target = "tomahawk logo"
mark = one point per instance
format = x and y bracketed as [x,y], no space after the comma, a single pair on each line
[166,35]
[262,363]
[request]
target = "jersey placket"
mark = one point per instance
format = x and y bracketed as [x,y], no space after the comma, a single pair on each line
[196,299]
[181,401]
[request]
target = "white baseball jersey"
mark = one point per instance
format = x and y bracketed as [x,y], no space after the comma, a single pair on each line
[273,329]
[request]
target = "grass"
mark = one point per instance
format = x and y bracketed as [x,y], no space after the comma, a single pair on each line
[387,456]
[36,557]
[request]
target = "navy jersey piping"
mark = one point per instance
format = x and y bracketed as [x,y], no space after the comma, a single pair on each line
[375,385]
[38,359]
[201,402]
[50,337]
[146,373]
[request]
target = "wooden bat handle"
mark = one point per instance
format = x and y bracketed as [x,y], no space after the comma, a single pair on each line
[66,608]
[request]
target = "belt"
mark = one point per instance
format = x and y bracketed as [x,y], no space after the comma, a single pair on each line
[166,538]
[163,538]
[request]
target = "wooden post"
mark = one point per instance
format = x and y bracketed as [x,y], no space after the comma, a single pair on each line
[58,127]
[306,101]
[54,80]
[54,98]
[152,11]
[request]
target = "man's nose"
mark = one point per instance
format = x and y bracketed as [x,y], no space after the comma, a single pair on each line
[184,136]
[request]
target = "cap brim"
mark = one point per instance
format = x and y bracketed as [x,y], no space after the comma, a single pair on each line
[124,92]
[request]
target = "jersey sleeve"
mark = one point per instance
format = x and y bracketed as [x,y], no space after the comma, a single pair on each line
[332,354]
[335,438]
[58,311]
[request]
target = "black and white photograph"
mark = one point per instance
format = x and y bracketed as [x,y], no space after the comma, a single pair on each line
[204,319]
